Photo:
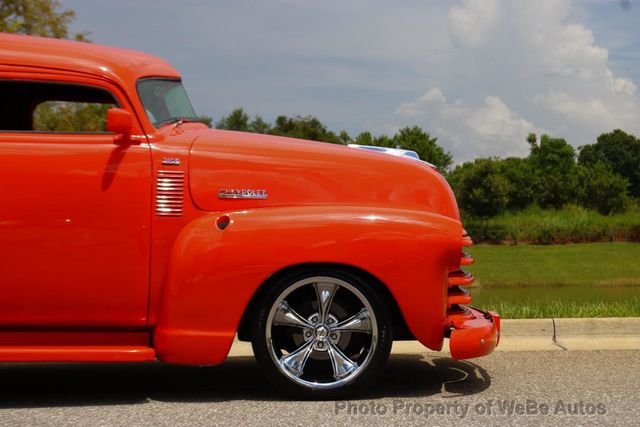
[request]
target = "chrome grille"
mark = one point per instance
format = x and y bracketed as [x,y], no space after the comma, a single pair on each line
[169,193]
[456,296]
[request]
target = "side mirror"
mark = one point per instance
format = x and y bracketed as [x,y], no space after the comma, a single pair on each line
[119,121]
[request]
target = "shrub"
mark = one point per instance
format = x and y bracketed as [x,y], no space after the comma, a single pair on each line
[620,151]
[571,224]
[601,189]
[482,190]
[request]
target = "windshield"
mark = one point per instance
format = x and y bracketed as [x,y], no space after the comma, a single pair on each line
[165,101]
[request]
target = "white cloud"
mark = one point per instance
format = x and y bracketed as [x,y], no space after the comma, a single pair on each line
[621,85]
[620,111]
[583,110]
[491,128]
[537,72]
[415,108]
[472,22]
[494,120]
[569,51]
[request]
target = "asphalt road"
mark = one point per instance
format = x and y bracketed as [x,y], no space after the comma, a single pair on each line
[603,387]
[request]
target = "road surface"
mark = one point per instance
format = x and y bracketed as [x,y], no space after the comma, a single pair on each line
[516,388]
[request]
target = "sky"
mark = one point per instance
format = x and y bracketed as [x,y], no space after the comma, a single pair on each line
[480,75]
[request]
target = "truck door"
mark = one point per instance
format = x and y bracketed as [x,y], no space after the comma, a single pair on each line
[74,208]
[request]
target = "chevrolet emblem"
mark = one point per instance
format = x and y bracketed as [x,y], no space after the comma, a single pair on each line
[241,193]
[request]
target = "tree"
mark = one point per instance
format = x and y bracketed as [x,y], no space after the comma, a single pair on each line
[618,150]
[411,138]
[365,138]
[520,174]
[482,190]
[206,120]
[308,127]
[237,120]
[549,177]
[70,117]
[344,137]
[304,127]
[38,18]
[601,189]
[415,139]
[553,162]
[258,125]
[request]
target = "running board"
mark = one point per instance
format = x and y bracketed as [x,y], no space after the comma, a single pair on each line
[70,353]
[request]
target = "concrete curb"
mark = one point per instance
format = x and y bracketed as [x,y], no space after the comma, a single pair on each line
[605,333]
[608,333]
[563,327]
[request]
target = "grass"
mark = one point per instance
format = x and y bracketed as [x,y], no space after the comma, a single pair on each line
[588,264]
[576,280]
[571,224]
[532,309]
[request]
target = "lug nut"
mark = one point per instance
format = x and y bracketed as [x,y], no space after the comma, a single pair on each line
[320,344]
[334,336]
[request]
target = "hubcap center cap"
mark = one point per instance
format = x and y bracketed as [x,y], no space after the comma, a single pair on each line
[322,332]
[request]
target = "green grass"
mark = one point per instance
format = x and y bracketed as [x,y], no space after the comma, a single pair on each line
[588,264]
[571,224]
[576,280]
[546,308]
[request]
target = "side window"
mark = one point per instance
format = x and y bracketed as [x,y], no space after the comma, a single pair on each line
[54,107]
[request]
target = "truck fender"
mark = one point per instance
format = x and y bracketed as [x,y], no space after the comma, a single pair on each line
[220,260]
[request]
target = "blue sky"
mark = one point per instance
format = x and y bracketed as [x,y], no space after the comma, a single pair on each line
[478,74]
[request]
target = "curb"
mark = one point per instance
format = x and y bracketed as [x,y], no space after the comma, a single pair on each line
[564,334]
[563,327]
[604,333]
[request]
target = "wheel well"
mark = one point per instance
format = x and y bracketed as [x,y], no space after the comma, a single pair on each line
[400,328]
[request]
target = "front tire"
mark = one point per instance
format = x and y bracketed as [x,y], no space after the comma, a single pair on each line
[322,334]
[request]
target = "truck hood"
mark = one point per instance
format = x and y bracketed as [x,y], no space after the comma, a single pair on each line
[278,171]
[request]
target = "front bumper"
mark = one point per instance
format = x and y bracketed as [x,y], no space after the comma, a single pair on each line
[471,332]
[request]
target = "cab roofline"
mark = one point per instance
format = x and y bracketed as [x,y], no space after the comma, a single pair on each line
[117,64]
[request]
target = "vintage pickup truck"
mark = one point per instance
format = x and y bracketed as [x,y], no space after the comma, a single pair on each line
[157,238]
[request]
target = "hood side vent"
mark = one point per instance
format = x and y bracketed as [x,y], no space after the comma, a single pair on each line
[169,193]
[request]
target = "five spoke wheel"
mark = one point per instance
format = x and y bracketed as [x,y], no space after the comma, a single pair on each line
[321,332]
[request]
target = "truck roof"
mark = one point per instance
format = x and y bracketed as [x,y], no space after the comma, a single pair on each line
[122,65]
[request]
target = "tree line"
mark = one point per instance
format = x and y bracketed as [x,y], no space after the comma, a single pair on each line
[601,176]
[309,127]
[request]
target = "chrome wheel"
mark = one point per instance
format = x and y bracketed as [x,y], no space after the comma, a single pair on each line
[321,332]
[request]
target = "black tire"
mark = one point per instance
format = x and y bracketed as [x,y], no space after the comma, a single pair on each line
[337,356]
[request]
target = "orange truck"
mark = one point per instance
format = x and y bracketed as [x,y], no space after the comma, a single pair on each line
[149,236]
